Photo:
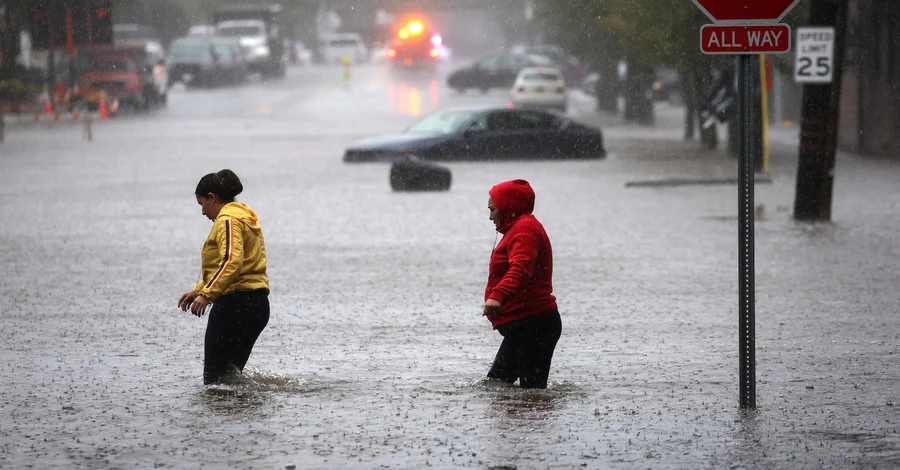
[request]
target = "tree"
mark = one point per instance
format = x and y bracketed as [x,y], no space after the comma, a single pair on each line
[578,26]
[645,34]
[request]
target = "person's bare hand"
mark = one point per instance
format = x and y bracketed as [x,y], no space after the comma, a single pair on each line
[185,300]
[198,307]
[491,307]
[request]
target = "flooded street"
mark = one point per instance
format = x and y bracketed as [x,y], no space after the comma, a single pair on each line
[376,351]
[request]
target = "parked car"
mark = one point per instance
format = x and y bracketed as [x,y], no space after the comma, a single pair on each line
[494,71]
[235,63]
[485,133]
[206,61]
[573,70]
[667,86]
[132,74]
[539,87]
[336,47]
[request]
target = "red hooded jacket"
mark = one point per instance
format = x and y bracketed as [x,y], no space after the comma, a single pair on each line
[521,271]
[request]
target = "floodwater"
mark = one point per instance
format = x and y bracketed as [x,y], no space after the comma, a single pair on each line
[375,353]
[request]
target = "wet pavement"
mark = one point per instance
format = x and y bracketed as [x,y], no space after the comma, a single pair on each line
[375,353]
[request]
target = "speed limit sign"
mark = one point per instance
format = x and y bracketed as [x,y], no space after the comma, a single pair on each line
[815,55]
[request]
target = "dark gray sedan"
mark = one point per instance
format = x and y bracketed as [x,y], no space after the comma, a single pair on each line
[485,134]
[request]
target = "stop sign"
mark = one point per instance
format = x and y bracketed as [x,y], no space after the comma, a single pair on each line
[755,11]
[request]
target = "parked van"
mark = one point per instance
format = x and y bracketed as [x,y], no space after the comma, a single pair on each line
[337,46]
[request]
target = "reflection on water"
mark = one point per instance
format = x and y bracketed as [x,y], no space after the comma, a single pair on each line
[406,98]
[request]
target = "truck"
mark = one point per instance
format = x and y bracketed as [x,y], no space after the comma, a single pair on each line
[129,73]
[260,34]
[415,46]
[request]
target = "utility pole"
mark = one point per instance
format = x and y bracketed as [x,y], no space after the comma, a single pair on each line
[819,122]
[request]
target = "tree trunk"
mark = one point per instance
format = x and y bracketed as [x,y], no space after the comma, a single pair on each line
[638,102]
[607,88]
[689,91]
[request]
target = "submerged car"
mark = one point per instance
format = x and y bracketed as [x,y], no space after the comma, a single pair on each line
[485,134]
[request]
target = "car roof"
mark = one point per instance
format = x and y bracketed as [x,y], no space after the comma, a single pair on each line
[485,108]
[190,40]
[240,23]
[552,70]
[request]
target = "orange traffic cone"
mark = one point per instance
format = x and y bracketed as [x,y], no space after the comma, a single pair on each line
[104,111]
[48,106]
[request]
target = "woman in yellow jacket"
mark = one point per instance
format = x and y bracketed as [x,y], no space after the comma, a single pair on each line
[233,278]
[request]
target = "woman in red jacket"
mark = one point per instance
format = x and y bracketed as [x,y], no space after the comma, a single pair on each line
[519,299]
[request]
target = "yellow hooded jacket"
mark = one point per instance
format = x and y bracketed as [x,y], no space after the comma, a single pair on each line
[234,254]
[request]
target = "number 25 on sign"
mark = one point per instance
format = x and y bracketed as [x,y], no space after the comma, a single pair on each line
[815,55]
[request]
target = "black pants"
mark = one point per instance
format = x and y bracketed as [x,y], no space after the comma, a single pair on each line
[235,321]
[527,349]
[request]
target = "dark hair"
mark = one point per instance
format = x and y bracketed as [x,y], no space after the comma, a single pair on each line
[224,184]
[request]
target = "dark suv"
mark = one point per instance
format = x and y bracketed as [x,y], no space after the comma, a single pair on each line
[494,71]
[206,61]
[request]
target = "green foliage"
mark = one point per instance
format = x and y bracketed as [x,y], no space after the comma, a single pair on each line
[16,90]
[648,32]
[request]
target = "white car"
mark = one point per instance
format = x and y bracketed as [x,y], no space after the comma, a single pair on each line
[542,87]
[338,47]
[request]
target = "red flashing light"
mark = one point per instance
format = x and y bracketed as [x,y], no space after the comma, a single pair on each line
[102,13]
[38,15]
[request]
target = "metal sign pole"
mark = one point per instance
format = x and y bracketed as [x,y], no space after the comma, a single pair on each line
[746,242]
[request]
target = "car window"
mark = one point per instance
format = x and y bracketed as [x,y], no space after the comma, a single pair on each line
[535,120]
[190,53]
[489,63]
[540,77]
[224,52]
[480,124]
[239,31]
[441,122]
[343,43]
[502,121]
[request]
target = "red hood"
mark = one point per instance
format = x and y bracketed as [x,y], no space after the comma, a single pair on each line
[513,199]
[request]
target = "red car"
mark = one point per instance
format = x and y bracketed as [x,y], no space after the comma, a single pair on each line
[125,75]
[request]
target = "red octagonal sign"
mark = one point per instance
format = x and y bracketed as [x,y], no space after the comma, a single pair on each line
[745,11]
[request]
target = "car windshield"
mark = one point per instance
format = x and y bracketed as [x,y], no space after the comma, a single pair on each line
[540,77]
[240,31]
[442,122]
[342,43]
[189,52]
